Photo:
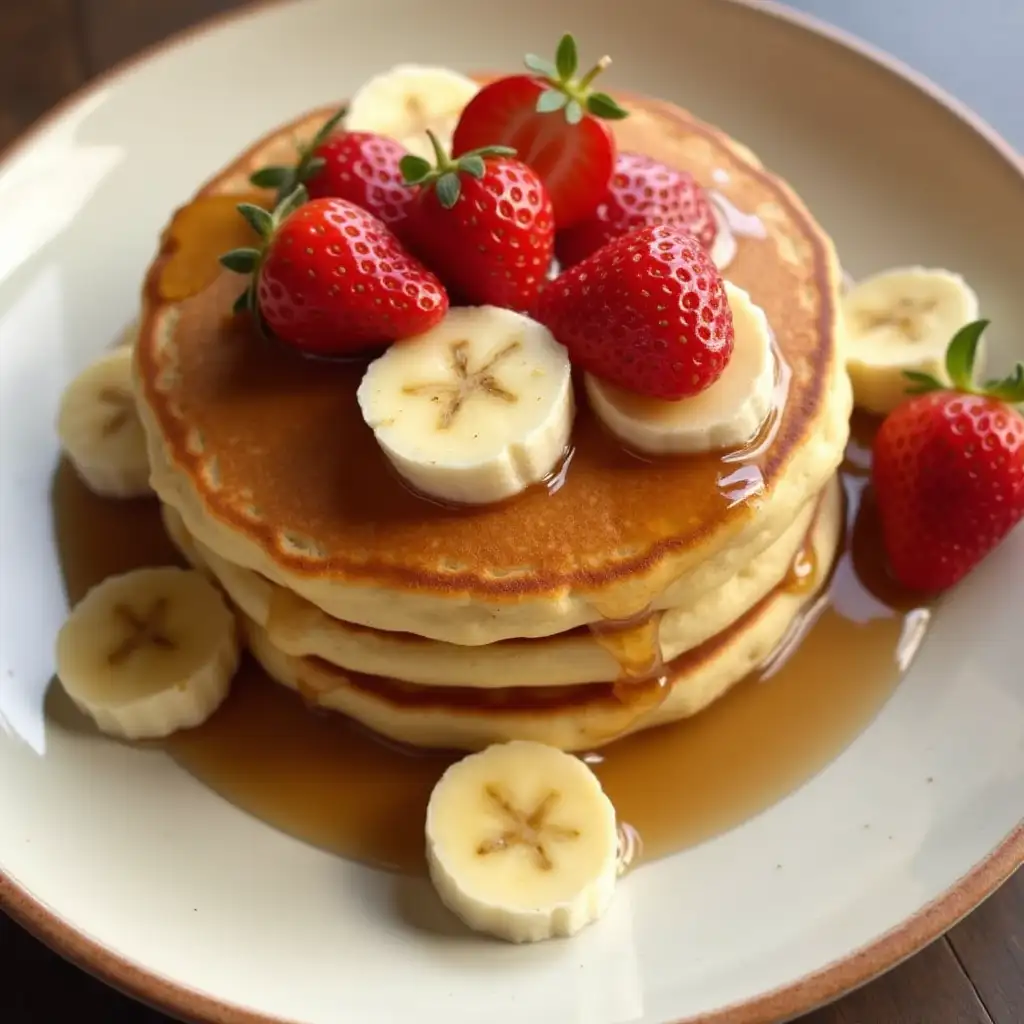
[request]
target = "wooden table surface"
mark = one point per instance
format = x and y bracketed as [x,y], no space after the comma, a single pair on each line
[48,48]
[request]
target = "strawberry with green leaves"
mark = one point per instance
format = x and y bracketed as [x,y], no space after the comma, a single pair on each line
[331,279]
[948,469]
[556,123]
[361,167]
[483,223]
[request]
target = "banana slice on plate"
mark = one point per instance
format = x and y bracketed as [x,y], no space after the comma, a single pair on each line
[899,320]
[99,427]
[475,409]
[407,100]
[725,415]
[522,842]
[148,653]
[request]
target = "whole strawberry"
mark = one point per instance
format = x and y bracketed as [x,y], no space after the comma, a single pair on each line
[331,279]
[555,122]
[647,312]
[643,193]
[483,223]
[358,166]
[948,470]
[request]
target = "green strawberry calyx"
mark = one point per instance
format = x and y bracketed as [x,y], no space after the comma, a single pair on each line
[961,356]
[285,179]
[249,260]
[566,91]
[445,176]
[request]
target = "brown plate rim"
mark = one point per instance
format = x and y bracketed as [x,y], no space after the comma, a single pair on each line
[800,996]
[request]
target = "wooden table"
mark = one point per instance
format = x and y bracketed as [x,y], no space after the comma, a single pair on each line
[48,48]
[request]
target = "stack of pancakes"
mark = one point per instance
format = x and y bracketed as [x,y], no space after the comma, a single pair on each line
[626,593]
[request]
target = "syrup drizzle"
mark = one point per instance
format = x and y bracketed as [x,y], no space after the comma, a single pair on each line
[332,783]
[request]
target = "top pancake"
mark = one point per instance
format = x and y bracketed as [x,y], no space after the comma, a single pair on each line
[266,457]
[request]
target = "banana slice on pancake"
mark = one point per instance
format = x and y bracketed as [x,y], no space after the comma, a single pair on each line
[99,427]
[149,652]
[407,100]
[475,409]
[522,842]
[902,320]
[728,414]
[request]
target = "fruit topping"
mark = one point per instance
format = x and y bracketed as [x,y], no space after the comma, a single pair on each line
[948,469]
[901,320]
[643,193]
[407,101]
[474,410]
[648,313]
[359,166]
[331,278]
[285,179]
[729,414]
[483,223]
[555,121]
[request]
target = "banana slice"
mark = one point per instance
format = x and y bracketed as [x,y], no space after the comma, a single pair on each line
[726,415]
[99,427]
[149,652]
[407,100]
[475,409]
[900,320]
[522,842]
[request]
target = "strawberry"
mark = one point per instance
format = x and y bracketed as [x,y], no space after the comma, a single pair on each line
[358,166]
[647,312]
[483,223]
[643,192]
[555,123]
[948,470]
[330,278]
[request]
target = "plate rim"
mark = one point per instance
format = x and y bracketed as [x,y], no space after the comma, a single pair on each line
[799,996]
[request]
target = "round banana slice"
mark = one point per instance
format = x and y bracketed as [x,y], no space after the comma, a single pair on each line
[407,100]
[475,409]
[726,415]
[148,653]
[522,842]
[902,320]
[99,428]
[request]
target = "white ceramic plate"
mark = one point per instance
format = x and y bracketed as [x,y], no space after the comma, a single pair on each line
[130,866]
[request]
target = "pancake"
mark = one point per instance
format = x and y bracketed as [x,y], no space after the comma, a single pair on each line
[571,717]
[580,656]
[265,456]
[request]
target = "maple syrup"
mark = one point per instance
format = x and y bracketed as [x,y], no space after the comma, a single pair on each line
[197,236]
[330,782]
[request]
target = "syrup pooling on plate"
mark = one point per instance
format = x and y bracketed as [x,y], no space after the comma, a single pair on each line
[325,780]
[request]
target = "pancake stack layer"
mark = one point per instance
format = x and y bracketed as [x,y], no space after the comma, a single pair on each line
[626,594]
